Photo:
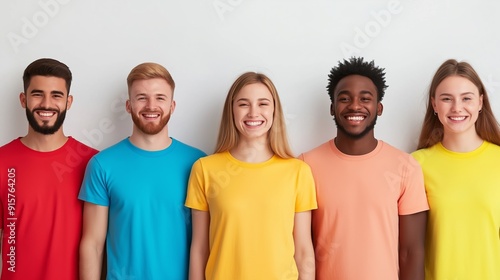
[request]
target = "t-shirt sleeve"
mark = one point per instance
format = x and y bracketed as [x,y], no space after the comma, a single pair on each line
[196,196]
[413,198]
[306,190]
[94,188]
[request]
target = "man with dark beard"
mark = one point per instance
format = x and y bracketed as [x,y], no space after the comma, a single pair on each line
[134,191]
[40,176]
[372,208]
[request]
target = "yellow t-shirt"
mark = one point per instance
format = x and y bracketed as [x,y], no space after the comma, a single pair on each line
[252,208]
[463,232]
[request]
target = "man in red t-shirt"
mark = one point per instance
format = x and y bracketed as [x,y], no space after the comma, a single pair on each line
[40,177]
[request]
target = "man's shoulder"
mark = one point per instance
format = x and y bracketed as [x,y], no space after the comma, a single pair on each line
[82,146]
[392,150]
[186,148]
[10,145]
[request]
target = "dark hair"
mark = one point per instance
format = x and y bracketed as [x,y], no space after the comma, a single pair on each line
[357,66]
[47,67]
[486,125]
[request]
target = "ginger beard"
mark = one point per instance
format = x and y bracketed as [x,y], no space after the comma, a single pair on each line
[150,128]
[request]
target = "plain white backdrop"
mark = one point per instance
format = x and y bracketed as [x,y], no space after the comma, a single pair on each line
[207,44]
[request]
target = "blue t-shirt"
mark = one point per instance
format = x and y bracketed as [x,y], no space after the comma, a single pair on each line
[149,229]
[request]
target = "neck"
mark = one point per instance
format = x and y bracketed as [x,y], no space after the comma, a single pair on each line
[148,142]
[252,151]
[42,142]
[355,147]
[463,142]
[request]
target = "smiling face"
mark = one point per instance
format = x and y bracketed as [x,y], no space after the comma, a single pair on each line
[253,111]
[355,106]
[150,105]
[46,101]
[457,103]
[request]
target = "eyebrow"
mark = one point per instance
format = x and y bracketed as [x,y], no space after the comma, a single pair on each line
[347,92]
[246,99]
[461,94]
[41,91]
[155,94]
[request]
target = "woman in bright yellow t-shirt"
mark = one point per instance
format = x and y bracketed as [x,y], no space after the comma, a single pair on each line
[251,201]
[460,156]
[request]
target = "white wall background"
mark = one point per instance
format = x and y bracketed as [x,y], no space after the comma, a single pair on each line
[206,44]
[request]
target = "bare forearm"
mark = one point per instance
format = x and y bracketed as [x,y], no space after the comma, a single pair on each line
[197,266]
[306,264]
[411,265]
[90,262]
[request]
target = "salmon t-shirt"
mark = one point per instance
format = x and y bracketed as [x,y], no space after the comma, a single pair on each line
[360,199]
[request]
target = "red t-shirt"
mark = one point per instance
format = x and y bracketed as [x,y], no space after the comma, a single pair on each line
[41,216]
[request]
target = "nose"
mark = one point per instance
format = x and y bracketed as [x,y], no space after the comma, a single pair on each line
[355,104]
[45,103]
[151,103]
[252,110]
[456,106]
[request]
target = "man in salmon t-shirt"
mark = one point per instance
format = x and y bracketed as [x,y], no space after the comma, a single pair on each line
[40,176]
[372,208]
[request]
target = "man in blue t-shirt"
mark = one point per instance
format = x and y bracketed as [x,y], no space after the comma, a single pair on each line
[134,191]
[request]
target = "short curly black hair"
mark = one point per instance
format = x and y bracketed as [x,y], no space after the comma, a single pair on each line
[357,66]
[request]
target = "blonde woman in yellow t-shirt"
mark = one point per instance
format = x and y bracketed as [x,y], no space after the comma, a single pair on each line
[251,201]
[460,156]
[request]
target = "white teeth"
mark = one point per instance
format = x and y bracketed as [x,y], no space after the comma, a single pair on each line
[150,115]
[457,118]
[50,114]
[254,123]
[356,118]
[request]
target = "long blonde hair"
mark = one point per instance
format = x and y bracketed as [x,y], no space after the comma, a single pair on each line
[228,133]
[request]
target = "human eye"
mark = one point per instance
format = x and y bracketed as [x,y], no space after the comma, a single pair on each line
[343,99]
[445,99]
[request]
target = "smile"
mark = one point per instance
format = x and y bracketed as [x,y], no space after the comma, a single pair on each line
[45,114]
[355,118]
[458,118]
[253,123]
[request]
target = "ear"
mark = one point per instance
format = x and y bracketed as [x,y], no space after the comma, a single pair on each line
[127,106]
[332,109]
[172,107]
[433,103]
[380,108]
[69,102]
[481,102]
[22,99]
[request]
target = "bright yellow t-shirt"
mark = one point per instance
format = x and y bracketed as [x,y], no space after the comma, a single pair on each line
[463,232]
[252,208]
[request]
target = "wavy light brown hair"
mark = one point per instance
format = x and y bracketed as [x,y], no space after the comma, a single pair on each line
[487,126]
[228,133]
